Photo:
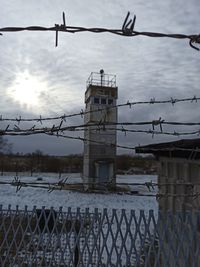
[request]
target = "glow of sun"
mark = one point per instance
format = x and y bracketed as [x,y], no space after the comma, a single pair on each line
[27,89]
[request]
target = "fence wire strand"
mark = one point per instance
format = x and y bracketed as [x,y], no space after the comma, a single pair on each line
[63,184]
[127,30]
[102,127]
[81,113]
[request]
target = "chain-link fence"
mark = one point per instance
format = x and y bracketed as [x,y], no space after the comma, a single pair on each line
[45,237]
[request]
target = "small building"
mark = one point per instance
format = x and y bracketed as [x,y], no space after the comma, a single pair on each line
[179,173]
[178,226]
[99,163]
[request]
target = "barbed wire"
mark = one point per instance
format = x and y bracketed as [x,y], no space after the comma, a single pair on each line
[101,125]
[126,130]
[63,185]
[81,113]
[127,30]
[21,132]
[113,144]
[104,127]
[58,131]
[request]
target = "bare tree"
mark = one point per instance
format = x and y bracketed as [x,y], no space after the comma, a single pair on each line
[5,146]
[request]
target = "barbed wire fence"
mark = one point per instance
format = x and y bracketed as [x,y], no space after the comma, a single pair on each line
[101,125]
[58,130]
[127,30]
[122,223]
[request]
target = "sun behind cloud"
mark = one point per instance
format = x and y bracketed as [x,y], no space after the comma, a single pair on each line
[26,90]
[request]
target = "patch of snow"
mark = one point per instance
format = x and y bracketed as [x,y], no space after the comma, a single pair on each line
[66,198]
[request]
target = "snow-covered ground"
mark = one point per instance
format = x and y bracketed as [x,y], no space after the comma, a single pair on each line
[112,225]
[64,198]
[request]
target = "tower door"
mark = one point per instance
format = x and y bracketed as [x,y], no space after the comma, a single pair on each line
[104,173]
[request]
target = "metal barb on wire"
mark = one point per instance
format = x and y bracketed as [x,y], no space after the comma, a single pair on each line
[18,120]
[194,99]
[173,101]
[128,26]
[7,127]
[129,104]
[63,118]
[32,128]
[57,28]
[176,133]
[157,122]
[61,27]
[16,128]
[16,182]
[195,39]
[59,127]
[50,188]
[62,183]
[40,119]
[152,101]
[150,186]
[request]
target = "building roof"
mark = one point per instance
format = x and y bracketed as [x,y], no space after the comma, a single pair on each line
[185,148]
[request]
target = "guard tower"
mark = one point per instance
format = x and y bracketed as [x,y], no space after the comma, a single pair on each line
[99,166]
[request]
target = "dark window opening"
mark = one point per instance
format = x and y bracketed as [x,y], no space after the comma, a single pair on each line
[96,100]
[110,101]
[103,101]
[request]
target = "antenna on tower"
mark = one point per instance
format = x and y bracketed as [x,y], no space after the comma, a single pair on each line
[102,75]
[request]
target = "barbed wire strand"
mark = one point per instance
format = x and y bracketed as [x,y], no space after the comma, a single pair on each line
[81,113]
[55,132]
[62,185]
[103,127]
[127,30]
[101,124]
[31,131]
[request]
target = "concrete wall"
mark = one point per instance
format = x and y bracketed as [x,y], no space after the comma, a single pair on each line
[104,151]
[178,170]
[179,234]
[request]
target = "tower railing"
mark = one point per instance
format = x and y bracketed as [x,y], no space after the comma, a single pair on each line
[101,79]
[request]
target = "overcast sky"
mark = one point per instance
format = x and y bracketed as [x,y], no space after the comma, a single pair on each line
[38,79]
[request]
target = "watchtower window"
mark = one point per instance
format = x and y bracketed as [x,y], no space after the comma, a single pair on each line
[96,100]
[103,101]
[110,101]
